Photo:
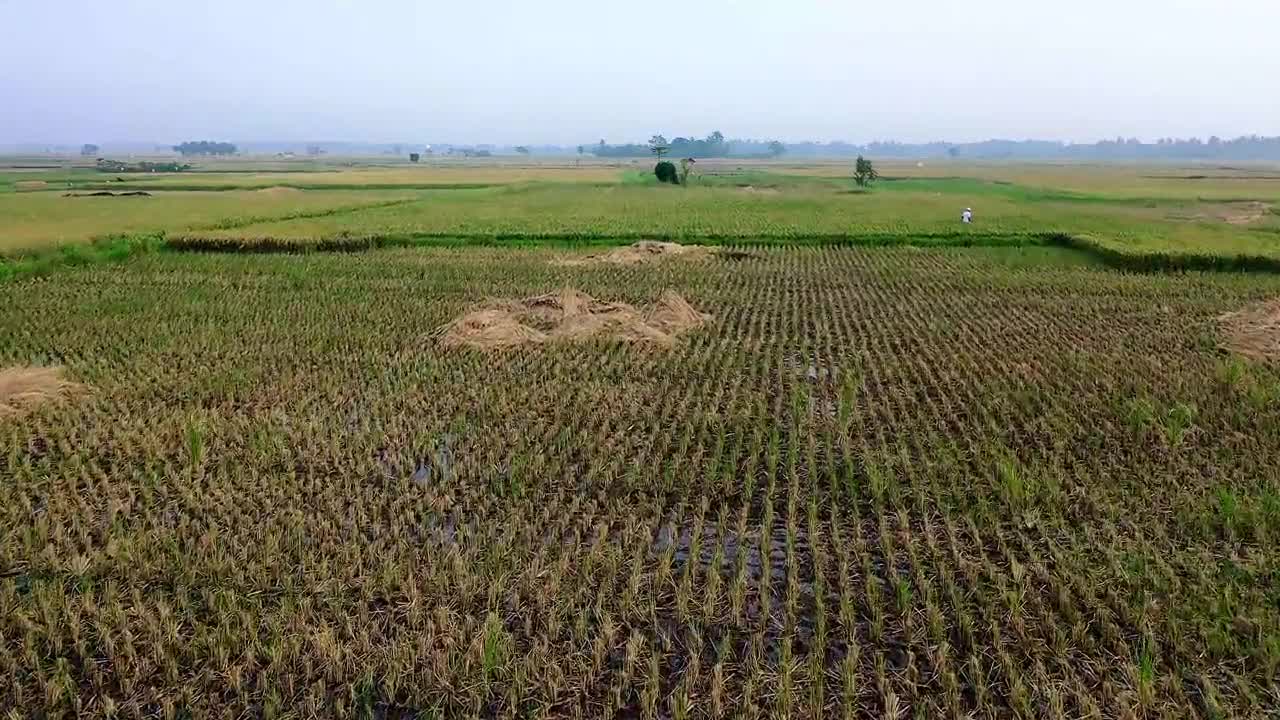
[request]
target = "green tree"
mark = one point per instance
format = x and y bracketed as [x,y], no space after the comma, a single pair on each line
[776,148]
[658,146]
[686,165]
[864,173]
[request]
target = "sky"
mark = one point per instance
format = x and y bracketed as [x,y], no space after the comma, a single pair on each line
[575,71]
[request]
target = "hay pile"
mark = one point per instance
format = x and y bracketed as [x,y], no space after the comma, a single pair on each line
[24,388]
[569,315]
[1254,331]
[645,251]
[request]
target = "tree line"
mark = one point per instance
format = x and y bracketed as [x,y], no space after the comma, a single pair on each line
[205,147]
[1250,147]
[713,145]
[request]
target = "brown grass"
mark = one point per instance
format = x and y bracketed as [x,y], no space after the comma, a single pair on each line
[645,251]
[1234,213]
[1244,213]
[570,315]
[279,190]
[1253,331]
[30,184]
[24,388]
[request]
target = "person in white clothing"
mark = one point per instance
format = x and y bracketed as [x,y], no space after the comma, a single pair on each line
[966,217]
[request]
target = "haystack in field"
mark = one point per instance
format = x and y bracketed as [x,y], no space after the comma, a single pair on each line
[645,251]
[1253,331]
[570,315]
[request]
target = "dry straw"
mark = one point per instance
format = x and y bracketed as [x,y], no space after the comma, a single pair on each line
[24,388]
[570,315]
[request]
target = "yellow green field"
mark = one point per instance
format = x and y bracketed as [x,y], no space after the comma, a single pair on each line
[1228,213]
[35,220]
[907,209]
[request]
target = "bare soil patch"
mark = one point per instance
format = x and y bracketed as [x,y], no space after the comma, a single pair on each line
[758,191]
[570,315]
[279,190]
[1244,213]
[1253,331]
[1235,213]
[24,388]
[645,251]
[30,184]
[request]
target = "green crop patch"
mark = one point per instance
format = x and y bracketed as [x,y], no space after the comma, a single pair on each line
[33,222]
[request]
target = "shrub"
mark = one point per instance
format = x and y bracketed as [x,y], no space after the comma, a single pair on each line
[666,172]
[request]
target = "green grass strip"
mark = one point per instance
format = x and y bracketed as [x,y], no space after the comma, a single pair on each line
[199,187]
[116,248]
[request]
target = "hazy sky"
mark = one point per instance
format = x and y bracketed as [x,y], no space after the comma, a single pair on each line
[569,71]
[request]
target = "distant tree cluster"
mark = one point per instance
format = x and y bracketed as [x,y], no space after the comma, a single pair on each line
[205,147]
[603,149]
[713,145]
[1250,147]
[89,149]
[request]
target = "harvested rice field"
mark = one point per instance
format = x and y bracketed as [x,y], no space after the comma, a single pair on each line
[853,482]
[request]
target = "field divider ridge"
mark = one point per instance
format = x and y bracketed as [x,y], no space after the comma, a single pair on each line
[1096,248]
[116,248]
[239,222]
